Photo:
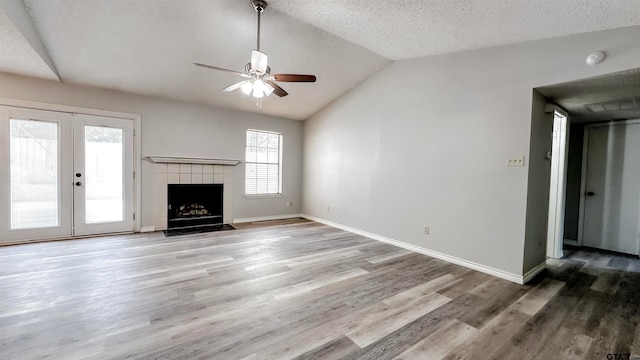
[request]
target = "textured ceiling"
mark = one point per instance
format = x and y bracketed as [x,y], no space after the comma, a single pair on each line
[147,46]
[17,55]
[413,28]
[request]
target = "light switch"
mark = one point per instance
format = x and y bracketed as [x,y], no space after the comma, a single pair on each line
[513,161]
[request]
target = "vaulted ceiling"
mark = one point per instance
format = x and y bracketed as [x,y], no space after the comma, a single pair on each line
[148,46]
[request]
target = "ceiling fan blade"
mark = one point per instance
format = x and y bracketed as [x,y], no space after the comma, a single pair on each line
[259,61]
[277,89]
[236,85]
[221,69]
[294,78]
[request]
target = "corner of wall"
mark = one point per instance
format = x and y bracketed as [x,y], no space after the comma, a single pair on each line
[538,182]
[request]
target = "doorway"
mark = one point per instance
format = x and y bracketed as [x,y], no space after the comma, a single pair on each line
[65,175]
[596,101]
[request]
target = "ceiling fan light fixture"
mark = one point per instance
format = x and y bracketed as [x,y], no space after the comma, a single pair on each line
[268,89]
[247,87]
[258,88]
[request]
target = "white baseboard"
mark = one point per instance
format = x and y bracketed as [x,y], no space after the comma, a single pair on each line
[533,272]
[519,279]
[265,218]
[147,229]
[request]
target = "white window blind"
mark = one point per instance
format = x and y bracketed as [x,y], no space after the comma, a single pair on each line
[263,163]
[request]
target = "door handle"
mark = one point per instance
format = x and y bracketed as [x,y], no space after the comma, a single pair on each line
[590,193]
[78,183]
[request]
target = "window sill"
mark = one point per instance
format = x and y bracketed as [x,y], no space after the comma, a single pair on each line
[266,196]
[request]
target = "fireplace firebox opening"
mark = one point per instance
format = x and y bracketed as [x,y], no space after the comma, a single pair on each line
[194,205]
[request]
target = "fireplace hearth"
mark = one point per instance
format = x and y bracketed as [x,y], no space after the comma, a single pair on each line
[194,205]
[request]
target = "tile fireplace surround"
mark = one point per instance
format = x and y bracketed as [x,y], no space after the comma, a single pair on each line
[186,172]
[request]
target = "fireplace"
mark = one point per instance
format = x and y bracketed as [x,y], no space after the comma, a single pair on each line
[194,205]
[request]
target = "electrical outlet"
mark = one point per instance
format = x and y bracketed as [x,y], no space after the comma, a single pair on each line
[426,230]
[514,161]
[289,204]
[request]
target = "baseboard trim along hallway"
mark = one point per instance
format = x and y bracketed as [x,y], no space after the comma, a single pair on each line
[516,278]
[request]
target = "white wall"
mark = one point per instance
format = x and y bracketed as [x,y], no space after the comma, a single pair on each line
[424,143]
[538,184]
[173,128]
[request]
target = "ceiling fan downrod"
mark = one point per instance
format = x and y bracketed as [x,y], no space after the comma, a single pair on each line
[258,80]
[259,5]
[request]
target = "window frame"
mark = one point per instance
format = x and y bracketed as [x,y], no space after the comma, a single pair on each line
[248,163]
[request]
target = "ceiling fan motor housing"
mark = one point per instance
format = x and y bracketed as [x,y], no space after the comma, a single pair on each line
[248,69]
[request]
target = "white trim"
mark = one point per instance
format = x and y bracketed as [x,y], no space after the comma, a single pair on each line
[519,279]
[145,229]
[266,218]
[66,108]
[191,160]
[262,196]
[557,183]
[533,272]
[137,170]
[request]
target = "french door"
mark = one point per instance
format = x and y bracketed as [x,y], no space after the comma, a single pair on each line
[64,174]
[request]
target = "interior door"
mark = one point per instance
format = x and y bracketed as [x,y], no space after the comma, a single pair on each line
[612,198]
[103,175]
[35,173]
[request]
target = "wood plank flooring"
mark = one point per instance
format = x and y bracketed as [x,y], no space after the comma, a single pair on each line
[296,289]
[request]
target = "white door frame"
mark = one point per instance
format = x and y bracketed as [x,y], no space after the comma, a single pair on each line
[583,173]
[137,119]
[558,185]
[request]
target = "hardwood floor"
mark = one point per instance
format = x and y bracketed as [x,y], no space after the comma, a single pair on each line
[299,289]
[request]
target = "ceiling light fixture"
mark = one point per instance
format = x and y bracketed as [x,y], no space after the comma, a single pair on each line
[595,58]
[259,80]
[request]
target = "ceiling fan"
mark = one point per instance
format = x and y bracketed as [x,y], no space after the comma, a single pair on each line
[259,82]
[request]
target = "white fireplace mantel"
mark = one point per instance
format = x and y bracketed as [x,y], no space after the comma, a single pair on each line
[191,160]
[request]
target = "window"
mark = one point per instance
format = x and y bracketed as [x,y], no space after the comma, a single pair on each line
[263,163]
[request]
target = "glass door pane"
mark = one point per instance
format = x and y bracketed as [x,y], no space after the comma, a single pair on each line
[103,174]
[33,174]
